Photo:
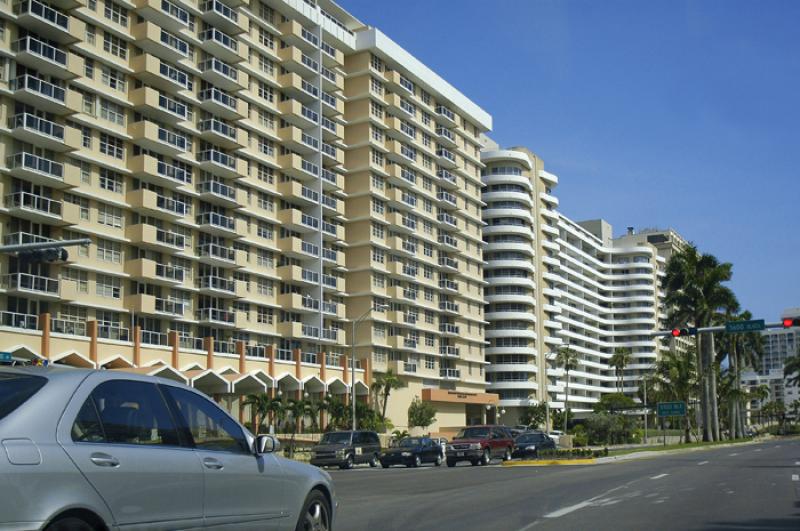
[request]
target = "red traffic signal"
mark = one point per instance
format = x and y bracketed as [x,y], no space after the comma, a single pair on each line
[680,332]
[789,322]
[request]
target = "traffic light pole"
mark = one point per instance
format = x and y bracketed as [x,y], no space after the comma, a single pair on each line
[663,333]
[42,246]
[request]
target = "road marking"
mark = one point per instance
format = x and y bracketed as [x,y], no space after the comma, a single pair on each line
[795,477]
[702,462]
[758,449]
[659,476]
[797,463]
[567,510]
[734,454]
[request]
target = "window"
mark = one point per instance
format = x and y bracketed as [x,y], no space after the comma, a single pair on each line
[125,412]
[211,428]
[375,109]
[109,215]
[108,286]
[116,13]
[430,361]
[112,112]
[378,255]
[376,63]
[81,278]
[378,231]
[377,182]
[15,389]
[109,251]
[88,68]
[115,46]
[379,281]
[375,86]
[111,181]
[376,133]
[378,206]
[377,157]
[111,146]
[113,78]
[82,203]
[265,315]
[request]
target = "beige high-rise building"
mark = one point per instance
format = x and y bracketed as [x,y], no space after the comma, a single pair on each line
[253,177]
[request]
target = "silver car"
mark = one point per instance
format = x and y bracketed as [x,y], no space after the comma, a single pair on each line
[90,450]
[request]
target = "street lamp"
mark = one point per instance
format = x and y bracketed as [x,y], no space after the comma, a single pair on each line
[376,307]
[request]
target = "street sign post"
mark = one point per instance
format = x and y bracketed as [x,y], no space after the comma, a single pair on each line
[671,409]
[738,327]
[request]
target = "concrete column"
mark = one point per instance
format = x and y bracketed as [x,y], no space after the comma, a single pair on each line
[137,346]
[297,371]
[172,339]
[92,328]
[345,368]
[271,360]
[322,415]
[368,370]
[208,345]
[321,361]
[240,350]
[44,326]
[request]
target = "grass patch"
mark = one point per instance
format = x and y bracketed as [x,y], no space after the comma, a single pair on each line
[662,448]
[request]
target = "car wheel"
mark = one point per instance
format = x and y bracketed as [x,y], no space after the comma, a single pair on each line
[316,514]
[438,461]
[374,461]
[450,463]
[474,462]
[486,458]
[69,524]
[507,456]
[417,462]
[348,464]
[384,465]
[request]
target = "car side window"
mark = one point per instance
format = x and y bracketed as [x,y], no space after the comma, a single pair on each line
[373,438]
[359,438]
[125,412]
[210,427]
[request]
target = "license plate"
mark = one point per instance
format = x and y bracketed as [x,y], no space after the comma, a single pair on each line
[459,454]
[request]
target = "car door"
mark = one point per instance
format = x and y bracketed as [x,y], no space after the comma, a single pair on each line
[498,442]
[374,445]
[430,450]
[359,445]
[242,490]
[121,436]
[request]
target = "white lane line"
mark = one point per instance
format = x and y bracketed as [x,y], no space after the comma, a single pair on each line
[795,477]
[797,463]
[567,510]
[734,454]
[758,449]
[702,462]
[659,476]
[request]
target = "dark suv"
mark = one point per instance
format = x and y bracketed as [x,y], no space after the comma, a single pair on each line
[347,448]
[479,444]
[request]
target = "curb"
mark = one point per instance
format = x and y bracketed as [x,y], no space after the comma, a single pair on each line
[551,462]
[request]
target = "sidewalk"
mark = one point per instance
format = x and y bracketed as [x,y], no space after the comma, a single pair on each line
[654,453]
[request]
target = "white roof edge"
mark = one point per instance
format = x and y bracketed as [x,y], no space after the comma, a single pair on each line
[494,154]
[373,38]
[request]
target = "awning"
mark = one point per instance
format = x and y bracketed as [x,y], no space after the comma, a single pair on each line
[336,386]
[312,384]
[162,371]
[459,397]
[73,358]
[245,384]
[208,381]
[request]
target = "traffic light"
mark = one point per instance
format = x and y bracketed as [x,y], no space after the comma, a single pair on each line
[58,254]
[789,322]
[680,332]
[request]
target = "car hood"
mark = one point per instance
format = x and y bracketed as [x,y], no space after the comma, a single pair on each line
[329,447]
[412,449]
[467,441]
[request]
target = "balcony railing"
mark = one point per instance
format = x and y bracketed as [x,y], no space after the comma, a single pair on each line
[220,67]
[255,351]
[112,331]
[446,154]
[42,49]
[284,354]
[174,172]
[39,10]
[217,220]
[169,272]
[450,373]
[217,157]
[215,315]
[217,126]
[448,328]
[173,205]
[154,338]
[31,162]
[43,88]
[218,96]
[218,189]
[221,9]
[444,111]
[173,239]
[35,123]
[30,283]
[213,34]
[72,328]
[213,250]
[447,306]
[409,367]
[308,357]
[37,203]
[18,238]
[447,176]
[169,306]
[448,350]
[448,284]
[19,320]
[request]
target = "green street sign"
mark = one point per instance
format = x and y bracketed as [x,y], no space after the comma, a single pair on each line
[671,409]
[737,327]
[5,357]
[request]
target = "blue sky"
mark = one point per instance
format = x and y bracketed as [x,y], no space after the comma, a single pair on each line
[670,113]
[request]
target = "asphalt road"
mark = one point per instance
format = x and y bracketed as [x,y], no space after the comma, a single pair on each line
[742,487]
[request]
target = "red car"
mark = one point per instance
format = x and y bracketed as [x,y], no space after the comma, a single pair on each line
[479,444]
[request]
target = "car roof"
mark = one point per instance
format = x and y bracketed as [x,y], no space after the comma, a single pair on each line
[76,374]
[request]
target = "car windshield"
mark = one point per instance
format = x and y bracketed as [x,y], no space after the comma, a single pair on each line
[473,433]
[531,438]
[342,437]
[15,389]
[410,442]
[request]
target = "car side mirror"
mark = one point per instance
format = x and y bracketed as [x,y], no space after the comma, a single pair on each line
[266,444]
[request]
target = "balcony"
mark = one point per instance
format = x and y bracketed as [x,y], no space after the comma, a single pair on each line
[144,268]
[449,351]
[44,133]
[446,136]
[220,133]
[19,238]
[448,199]
[160,43]
[152,237]
[220,103]
[44,95]
[45,20]
[449,328]
[213,285]
[446,261]
[213,254]
[45,58]
[298,248]
[223,17]
[216,223]
[449,179]
[159,106]
[449,241]
[448,285]
[152,305]
[19,320]
[164,173]
[215,317]
[153,137]
[149,201]
[219,44]
[33,207]
[445,116]
[217,192]
[446,158]
[450,374]
[36,169]
[298,220]
[27,285]
[221,163]
[447,306]
[221,74]
[448,219]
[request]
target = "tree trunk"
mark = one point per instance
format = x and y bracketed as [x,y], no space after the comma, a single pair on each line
[687,431]
[712,366]
[566,405]
[703,388]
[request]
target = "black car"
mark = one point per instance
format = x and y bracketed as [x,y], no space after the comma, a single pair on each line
[347,448]
[529,444]
[413,451]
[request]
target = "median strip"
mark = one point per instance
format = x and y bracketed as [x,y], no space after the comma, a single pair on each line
[551,462]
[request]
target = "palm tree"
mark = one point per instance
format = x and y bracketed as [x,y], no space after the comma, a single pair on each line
[695,293]
[567,359]
[795,407]
[676,378]
[791,369]
[621,358]
[760,394]
[296,410]
[383,386]
[259,410]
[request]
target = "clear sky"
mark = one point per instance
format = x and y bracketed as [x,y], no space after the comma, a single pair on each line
[670,113]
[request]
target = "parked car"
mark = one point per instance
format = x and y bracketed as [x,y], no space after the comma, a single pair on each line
[556,435]
[347,448]
[412,452]
[85,450]
[528,444]
[479,444]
